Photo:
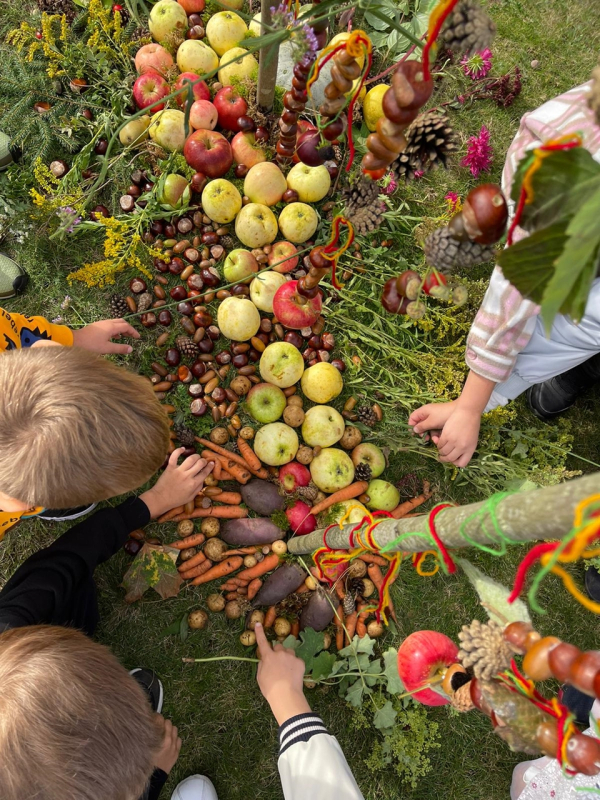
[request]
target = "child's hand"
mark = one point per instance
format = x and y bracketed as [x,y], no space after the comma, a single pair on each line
[97,336]
[280,679]
[458,440]
[167,756]
[431,417]
[177,485]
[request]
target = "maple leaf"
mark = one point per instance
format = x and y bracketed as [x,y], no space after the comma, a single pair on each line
[153,568]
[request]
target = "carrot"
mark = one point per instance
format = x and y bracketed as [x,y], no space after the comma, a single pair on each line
[302,589]
[295,628]
[373,558]
[339,628]
[270,617]
[239,473]
[233,583]
[170,514]
[340,591]
[225,476]
[229,498]
[254,588]
[405,508]
[354,490]
[241,551]
[351,621]
[220,512]
[190,541]
[220,570]
[200,570]
[231,595]
[264,566]
[260,473]
[361,628]
[192,562]
[217,469]
[248,454]
[242,591]
[376,576]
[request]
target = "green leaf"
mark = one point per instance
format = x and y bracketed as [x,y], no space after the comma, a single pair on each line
[390,661]
[493,596]
[173,629]
[375,669]
[184,628]
[312,643]
[322,665]
[364,645]
[385,717]
[153,568]
[291,643]
[337,667]
[577,299]
[528,264]
[354,695]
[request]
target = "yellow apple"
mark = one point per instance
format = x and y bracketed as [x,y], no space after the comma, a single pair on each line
[225,30]
[167,129]
[276,444]
[255,24]
[238,318]
[265,183]
[246,67]
[331,470]
[322,426]
[256,225]
[195,56]
[322,382]
[263,288]
[221,201]
[311,183]
[372,105]
[298,222]
[135,131]
[168,21]
[281,364]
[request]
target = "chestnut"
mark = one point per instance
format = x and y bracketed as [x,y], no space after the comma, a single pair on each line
[210,238]
[290,196]
[184,374]
[195,32]
[584,670]
[240,289]
[309,355]
[561,658]
[213,332]
[195,281]
[261,134]
[240,360]
[198,369]
[178,293]
[292,337]
[185,308]
[134,191]
[132,547]
[485,213]
[170,231]
[198,407]
[583,754]
[246,124]
[176,266]
[218,394]
[148,320]
[194,19]
[222,358]
[206,345]
[99,211]
[338,364]
[210,279]
[87,114]
[101,147]
[161,266]
[126,203]
[185,225]
[315,342]
[59,168]
[202,318]
[156,227]
[332,168]
[172,356]
[241,171]
[328,340]
[253,355]
[137,285]
[164,317]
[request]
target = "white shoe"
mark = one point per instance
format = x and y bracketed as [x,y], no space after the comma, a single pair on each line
[196,787]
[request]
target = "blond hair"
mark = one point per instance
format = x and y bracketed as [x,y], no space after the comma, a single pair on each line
[75,428]
[73,724]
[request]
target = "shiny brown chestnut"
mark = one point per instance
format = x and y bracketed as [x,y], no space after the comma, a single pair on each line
[178,293]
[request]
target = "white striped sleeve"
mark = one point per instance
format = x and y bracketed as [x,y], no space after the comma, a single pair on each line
[300,728]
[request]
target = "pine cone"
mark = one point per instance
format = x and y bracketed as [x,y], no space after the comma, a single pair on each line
[228,242]
[144,301]
[468,29]
[356,586]
[187,346]
[185,435]
[362,472]
[594,98]
[308,493]
[65,7]
[362,205]
[446,253]
[461,699]
[118,307]
[484,649]
[349,604]
[429,141]
[367,416]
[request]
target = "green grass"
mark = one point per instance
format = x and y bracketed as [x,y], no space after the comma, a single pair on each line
[227,730]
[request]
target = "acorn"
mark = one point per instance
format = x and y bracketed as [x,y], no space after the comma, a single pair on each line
[485,213]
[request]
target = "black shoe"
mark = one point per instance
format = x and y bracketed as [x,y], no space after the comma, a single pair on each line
[592,583]
[65,514]
[577,702]
[151,684]
[553,397]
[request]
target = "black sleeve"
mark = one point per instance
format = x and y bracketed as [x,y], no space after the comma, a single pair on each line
[54,584]
[157,781]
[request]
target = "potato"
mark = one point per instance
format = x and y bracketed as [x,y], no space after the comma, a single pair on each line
[247,433]
[375,629]
[293,416]
[219,435]
[240,385]
[250,561]
[185,528]
[308,684]
[351,438]
[233,610]
[197,620]
[326,641]
[295,400]
[311,583]
[279,547]
[245,532]
[214,549]
[369,587]
[215,602]
[282,627]
[210,480]
[210,527]
[262,497]
[188,553]
[248,638]
[304,454]
[255,616]
[357,569]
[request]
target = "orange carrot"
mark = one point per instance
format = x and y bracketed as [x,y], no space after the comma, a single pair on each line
[302,589]
[405,508]
[222,451]
[376,576]
[354,490]
[200,570]
[229,498]
[192,562]
[242,591]
[217,469]
[339,628]
[254,588]
[231,584]
[351,621]
[340,591]
[361,628]
[220,570]
[190,541]
[225,476]
[231,595]
[270,617]
[295,628]
[266,565]
[220,512]
[373,558]
[170,514]
[248,454]
[241,551]
[238,472]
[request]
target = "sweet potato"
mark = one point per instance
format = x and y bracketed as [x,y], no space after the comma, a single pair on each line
[243,532]
[320,610]
[285,580]
[262,497]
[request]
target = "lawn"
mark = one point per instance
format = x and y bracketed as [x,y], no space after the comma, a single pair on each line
[227,730]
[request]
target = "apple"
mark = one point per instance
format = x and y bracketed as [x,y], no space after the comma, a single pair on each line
[208,152]
[231,70]
[265,183]
[293,475]
[331,470]
[167,128]
[322,426]
[351,511]
[293,310]
[283,257]
[239,267]
[234,5]
[195,56]
[224,30]
[276,444]
[256,24]
[383,496]
[153,57]
[423,656]
[266,402]
[263,288]
[148,91]
[311,183]
[221,201]
[322,382]
[200,90]
[230,106]
[238,318]
[367,453]
[281,363]
[246,150]
[167,22]
[203,115]
[192,6]
[135,131]
[176,191]
[298,222]
[300,519]
[255,225]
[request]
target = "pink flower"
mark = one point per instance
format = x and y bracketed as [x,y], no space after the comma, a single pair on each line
[419,173]
[479,153]
[478,65]
[453,201]
[390,184]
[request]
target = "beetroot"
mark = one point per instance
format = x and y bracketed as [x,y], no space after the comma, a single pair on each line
[285,580]
[262,497]
[320,610]
[300,519]
[245,532]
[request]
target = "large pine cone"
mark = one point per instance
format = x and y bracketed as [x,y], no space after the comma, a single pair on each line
[468,29]
[446,253]
[118,307]
[362,206]
[187,347]
[429,141]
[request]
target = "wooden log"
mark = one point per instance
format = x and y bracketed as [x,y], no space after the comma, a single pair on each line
[267,64]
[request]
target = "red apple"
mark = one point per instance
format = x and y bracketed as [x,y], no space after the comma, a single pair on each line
[208,152]
[149,89]
[422,656]
[304,126]
[200,90]
[300,519]
[293,475]
[246,151]
[153,57]
[281,251]
[203,114]
[231,106]
[192,6]
[294,311]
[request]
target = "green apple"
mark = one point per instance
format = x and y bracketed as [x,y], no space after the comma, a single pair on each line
[231,70]
[322,426]
[263,288]
[195,56]
[234,5]
[256,225]
[281,363]
[355,511]
[383,496]
[224,30]
[266,402]
[256,25]
[167,129]
[367,453]
[238,318]
[168,21]
[221,201]
[331,470]
[176,191]
[265,183]
[240,266]
[322,382]
[298,222]
[135,131]
[276,444]
[311,183]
